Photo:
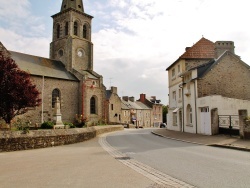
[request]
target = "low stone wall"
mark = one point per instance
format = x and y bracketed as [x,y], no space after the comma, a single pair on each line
[16,140]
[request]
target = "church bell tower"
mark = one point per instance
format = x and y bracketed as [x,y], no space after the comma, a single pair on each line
[71,40]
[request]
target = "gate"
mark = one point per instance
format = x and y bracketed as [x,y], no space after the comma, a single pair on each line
[229,124]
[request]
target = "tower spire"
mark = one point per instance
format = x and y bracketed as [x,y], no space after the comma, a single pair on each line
[75,4]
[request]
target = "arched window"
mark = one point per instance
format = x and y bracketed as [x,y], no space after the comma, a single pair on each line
[85,31]
[66,28]
[55,94]
[92,105]
[58,31]
[75,28]
[189,114]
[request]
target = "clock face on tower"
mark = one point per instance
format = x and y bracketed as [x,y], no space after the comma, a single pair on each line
[80,53]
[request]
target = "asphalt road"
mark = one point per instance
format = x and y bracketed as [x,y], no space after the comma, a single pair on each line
[198,165]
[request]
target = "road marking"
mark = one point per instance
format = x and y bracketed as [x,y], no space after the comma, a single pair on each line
[147,171]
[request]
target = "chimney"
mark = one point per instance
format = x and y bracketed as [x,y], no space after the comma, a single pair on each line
[222,46]
[187,48]
[132,99]
[114,90]
[125,98]
[142,97]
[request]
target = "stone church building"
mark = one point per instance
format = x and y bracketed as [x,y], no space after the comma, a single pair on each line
[68,73]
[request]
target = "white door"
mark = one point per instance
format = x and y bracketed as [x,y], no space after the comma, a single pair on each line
[205,121]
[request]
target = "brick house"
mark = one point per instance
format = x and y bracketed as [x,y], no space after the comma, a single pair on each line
[211,84]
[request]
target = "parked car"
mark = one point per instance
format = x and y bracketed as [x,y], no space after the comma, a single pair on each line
[163,125]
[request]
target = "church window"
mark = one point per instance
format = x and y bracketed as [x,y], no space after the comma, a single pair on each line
[85,31]
[75,28]
[79,6]
[92,105]
[66,28]
[55,94]
[58,31]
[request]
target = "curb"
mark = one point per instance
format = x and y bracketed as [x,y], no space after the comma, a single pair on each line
[229,147]
[171,138]
[212,145]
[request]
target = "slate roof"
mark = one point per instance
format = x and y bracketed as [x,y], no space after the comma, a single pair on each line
[131,105]
[41,66]
[203,49]
[142,106]
[108,94]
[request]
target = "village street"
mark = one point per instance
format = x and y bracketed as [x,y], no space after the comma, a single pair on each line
[135,158]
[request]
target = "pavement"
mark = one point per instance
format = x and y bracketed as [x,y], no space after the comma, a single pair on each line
[224,141]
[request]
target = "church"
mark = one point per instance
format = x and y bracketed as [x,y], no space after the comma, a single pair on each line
[68,74]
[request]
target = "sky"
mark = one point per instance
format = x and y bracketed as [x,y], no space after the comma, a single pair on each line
[134,40]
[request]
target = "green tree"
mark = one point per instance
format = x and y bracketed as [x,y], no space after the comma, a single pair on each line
[16,90]
[164,113]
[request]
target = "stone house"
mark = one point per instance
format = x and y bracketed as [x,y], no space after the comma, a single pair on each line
[156,106]
[125,113]
[113,106]
[68,73]
[211,85]
[143,113]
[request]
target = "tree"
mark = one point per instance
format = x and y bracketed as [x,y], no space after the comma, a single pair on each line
[164,113]
[16,90]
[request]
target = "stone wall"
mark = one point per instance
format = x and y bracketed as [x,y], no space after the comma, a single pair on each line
[69,92]
[229,78]
[14,141]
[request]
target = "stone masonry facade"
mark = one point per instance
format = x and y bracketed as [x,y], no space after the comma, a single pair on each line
[230,79]
[68,96]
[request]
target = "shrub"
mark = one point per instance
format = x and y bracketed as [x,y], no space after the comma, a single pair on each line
[47,125]
[23,126]
[70,125]
[80,121]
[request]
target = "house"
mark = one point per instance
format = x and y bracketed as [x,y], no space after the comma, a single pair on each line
[134,111]
[156,106]
[113,106]
[143,112]
[209,90]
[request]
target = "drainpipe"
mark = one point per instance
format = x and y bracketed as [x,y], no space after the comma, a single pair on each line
[42,99]
[83,87]
[195,83]
[181,86]
[183,109]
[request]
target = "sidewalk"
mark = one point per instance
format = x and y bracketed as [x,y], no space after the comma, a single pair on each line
[224,141]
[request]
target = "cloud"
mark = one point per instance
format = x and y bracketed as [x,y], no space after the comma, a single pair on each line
[29,45]
[20,19]
[134,40]
[146,36]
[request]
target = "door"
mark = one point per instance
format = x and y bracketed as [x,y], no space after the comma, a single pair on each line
[205,121]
